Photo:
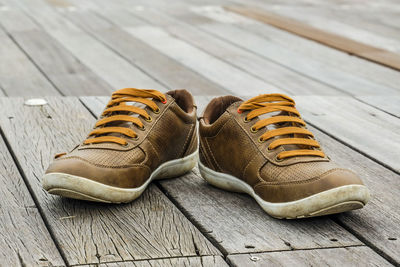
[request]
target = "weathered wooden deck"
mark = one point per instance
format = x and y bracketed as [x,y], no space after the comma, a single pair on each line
[339,59]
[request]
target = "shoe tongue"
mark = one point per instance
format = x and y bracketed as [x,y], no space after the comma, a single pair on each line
[281,125]
[125,124]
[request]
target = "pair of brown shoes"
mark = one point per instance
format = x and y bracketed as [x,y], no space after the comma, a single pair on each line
[260,146]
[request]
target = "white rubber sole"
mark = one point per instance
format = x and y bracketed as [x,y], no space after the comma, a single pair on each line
[340,199]
[77,187]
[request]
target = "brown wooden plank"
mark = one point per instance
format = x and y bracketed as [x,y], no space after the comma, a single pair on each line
[236,223]
[205,261]
[329,56]
[24,238]
[151,227]
[348,45]
[164,69]
[345,257]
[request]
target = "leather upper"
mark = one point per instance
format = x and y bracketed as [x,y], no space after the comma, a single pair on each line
[228,145]
[171,134]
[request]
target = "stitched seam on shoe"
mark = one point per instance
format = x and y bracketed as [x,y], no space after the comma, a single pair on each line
[193,142]
[203,151]
[186,141]
[303,181]
[155,151]
[244,170]
[212,155]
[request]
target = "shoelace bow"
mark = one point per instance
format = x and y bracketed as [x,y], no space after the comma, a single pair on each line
[294,134]
[118,111]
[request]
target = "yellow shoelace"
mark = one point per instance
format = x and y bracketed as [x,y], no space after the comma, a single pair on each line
[295,133]
[118,111]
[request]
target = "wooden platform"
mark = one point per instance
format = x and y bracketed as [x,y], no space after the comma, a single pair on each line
[338,59]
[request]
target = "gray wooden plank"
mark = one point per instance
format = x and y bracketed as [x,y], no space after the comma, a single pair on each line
[164,69]
[204,261]
[15,64]
[236,223]
[366,18]
[361,126]
[232,78]
[377,224]
[363,50]
[65,71]
[346,257]
[151,227]
[281,77]
[201,13]
[329,56]
[334,77]
[105,63]
[390,104]
[321,21]
[24,238]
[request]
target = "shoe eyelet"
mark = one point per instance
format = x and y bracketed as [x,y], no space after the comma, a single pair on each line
[269,149]
[135,138]
[126,144]
[239,111]
[253,130]
[164,102]
[246,120]
[150,119]
[142,128]
[157,111]
[260,140]
[278,159]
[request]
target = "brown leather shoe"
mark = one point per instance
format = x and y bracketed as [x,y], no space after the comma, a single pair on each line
[142,135]
[262,147]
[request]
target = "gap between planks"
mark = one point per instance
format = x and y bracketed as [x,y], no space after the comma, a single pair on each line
[365,51]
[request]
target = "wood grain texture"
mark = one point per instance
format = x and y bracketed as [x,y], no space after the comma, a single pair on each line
[389,104]
[151,227]
[333,61]
[24,239]
[350,20]
[105,63]
[162,68]
[205,261]
[236,223]
[377,224]
[18,65]
[345,44]
[333,76]
[231,78]
[361,126]
[346,257]
[286,80]
[356,66]
[65,71]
